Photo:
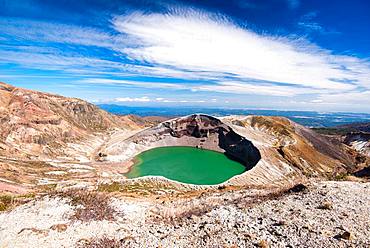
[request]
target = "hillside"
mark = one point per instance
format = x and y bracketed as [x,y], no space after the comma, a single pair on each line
[53,140]
[345,129]
[284,150]
[324,214]
[356,135]
[35,124]
[62,180]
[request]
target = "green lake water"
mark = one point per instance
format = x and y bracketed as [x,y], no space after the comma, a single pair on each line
[185,164]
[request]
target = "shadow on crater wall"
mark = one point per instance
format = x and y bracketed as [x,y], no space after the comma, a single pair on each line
[238,148]
[200,126]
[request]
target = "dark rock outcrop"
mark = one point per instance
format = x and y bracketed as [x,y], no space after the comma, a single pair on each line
[204,127]
[356,136]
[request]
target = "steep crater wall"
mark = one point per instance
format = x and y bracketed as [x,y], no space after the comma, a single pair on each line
[201,131]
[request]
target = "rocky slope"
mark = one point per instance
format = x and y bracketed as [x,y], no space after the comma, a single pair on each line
[273,149]
[355,127]
[199,131]
[46,138]
[62,165]
[289,150]
[356,135]
[53,141]
[360,141]
[325,214]
[35,124]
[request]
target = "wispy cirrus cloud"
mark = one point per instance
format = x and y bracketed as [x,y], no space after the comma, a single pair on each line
[190,45]
[232,87]
[198,42]
[145,99]
[149,85]
[307,23]
[130,99]
[256,89]
[360,98]
[43,32]
[208,52]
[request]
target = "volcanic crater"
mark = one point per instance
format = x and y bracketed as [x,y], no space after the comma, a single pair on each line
[197,130]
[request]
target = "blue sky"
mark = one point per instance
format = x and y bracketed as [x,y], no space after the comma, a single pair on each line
[277,54]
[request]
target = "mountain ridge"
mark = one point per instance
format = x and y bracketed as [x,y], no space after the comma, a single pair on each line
[76,143]
[34,122]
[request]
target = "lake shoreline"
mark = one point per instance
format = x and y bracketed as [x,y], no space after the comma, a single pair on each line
[185,164]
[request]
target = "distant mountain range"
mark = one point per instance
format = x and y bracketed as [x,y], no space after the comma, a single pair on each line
[306,118]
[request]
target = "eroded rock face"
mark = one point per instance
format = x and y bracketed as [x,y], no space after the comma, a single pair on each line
[359,141]
[206,127]
[201,131]
[38,125]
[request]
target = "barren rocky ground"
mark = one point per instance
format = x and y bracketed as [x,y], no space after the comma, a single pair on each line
[325,214]
[62,183]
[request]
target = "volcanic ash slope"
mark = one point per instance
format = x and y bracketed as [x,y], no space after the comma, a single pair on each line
[273,149]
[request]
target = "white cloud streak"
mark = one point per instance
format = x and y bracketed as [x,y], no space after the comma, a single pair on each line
[347,98]
[129,99]
[199,43]
[60,33]
[158,99]
[192,45]
[153,85]
[221,87]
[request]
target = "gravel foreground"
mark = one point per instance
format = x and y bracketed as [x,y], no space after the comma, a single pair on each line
[326,214]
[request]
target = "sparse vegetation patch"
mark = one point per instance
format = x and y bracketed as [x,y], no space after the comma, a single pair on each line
[5,202]
[110,187]
[8,201]
[103,242]
[90,205]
